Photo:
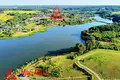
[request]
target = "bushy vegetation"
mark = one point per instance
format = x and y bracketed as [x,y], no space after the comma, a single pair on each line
[56,67]
[106,33]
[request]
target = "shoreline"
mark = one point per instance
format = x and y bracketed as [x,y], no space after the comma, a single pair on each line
[24,34]
[43,29]
[30,67]
[32,61]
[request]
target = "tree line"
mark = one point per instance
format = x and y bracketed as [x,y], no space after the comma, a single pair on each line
[105,33]
[94,37]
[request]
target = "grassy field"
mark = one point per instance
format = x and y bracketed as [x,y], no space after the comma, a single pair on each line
[28,26]
[105,63]
[67,72]
[20,11]
[5,17]
[116,12]
[39,28]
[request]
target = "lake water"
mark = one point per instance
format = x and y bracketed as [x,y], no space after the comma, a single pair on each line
[14,52]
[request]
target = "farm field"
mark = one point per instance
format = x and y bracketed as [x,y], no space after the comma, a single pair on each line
[20,11]
[4,17]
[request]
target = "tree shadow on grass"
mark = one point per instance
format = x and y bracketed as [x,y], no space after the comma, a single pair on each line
[67,51]
[60,52]
[89,76]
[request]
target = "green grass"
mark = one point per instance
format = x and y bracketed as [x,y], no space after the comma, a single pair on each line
[67,72]
[5,17]
[67,67]
[23,34]
[116,12]
[20,11]
[104,62]
[29,26]
[117,40]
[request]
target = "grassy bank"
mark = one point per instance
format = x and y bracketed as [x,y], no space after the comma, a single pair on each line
[39,28]
[116,12]
[60,63]
[104,62]
[20,11]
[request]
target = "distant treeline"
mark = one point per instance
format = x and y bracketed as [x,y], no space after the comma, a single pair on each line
[65,7]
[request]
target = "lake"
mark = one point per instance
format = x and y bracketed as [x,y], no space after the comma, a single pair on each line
[17,51]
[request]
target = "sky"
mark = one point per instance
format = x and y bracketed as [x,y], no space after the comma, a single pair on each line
[59,2]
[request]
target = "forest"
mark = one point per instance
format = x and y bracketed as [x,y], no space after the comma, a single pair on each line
[106,36]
